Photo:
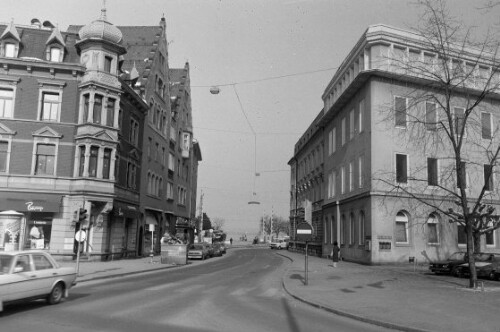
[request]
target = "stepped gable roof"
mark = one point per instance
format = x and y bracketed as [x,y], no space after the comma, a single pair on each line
[141,43]
[177,79]
[34,43]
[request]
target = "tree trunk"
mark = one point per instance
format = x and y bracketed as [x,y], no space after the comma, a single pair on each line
[470,254]
[477,242]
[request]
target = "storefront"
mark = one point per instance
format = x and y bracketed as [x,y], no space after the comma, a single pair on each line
[26,220]
[123,229]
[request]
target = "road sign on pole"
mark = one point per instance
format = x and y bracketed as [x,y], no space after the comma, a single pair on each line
[304,233]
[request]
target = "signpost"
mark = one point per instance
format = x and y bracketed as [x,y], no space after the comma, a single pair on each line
[304,233]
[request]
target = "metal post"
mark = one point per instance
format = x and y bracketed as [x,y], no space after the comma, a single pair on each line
[152,245]
[306,279]
[78,254]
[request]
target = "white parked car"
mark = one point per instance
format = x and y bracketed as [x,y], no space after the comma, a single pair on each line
[29,275]
[279,244]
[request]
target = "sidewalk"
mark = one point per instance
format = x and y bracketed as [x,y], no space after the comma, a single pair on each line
[390,296]
[394,296]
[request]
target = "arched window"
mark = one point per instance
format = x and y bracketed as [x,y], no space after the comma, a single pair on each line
[401,228]
[432,229]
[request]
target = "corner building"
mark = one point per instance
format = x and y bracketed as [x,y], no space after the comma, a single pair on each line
[362,145]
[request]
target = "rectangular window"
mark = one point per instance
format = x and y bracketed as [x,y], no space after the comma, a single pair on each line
[97,111]
[107,64]
[50,106]
[462,174]
[6,103]
[400,111]
[10,50]
[459,117]
[488,177]
[330,183]
[110,112]
[343,134]
[82,160]
[150,144]
[430,116]
[351,176]
[106,163]
[45,157]
[4,151]
[361,115]
[432,234]
[401,168]
[342,180]
[330,140]
[334,140]
[55,54]
[361,178]
[490,238]
[334,183]
[171,162]
[86,107]
[134,132]
[170,191]
[351,124]
[131,175]
[361,233]
[94,155]
[432,171]
[486,125]
[461,235]
[342,230]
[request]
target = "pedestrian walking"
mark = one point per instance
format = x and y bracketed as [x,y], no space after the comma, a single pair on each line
[231,241]
[335,255]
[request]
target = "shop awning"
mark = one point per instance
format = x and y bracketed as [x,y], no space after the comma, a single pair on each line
[30,202]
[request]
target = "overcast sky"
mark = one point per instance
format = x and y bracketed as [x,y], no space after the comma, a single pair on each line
[272,60]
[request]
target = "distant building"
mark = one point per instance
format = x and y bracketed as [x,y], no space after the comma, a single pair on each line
[360,144]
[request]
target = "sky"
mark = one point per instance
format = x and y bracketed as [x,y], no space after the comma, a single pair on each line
[271,60]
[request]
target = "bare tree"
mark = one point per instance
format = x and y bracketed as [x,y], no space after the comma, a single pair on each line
[452,92]
[218,223]
[278,224]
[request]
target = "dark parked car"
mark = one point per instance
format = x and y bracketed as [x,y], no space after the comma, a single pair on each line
[217,249]
[449,266]
[486,266]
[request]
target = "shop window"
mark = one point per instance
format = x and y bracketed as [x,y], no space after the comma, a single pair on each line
[6,103]
[401,228]
[45,159]
[50,106]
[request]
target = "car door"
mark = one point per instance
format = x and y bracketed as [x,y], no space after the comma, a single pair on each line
[22,282]
[45,272]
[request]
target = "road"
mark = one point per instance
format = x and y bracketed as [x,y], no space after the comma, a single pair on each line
[239,292]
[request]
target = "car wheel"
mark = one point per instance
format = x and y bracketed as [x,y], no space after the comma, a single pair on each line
[56,294]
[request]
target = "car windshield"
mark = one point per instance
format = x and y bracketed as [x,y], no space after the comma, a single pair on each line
[5,262]
[458,256]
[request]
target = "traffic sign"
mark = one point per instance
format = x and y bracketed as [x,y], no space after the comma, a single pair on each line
[80,236]
[304,231]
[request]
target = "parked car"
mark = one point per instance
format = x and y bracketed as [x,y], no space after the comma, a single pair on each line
[198,251]
[30,275]
[486,266]
[223,247]
[449,265]
[217,249]
[279,244]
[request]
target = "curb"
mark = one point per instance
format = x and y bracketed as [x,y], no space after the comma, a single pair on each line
[344,313]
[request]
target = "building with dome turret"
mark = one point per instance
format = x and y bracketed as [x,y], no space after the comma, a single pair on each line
[86,125]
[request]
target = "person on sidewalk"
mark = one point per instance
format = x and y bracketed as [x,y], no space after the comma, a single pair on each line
[335,255]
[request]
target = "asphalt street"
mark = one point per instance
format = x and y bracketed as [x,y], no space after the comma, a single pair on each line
[240,292]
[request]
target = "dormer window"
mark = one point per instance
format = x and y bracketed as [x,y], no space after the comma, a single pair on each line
[10,50]
[55,54]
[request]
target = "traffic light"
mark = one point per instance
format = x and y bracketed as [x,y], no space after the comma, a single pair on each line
[83,218]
